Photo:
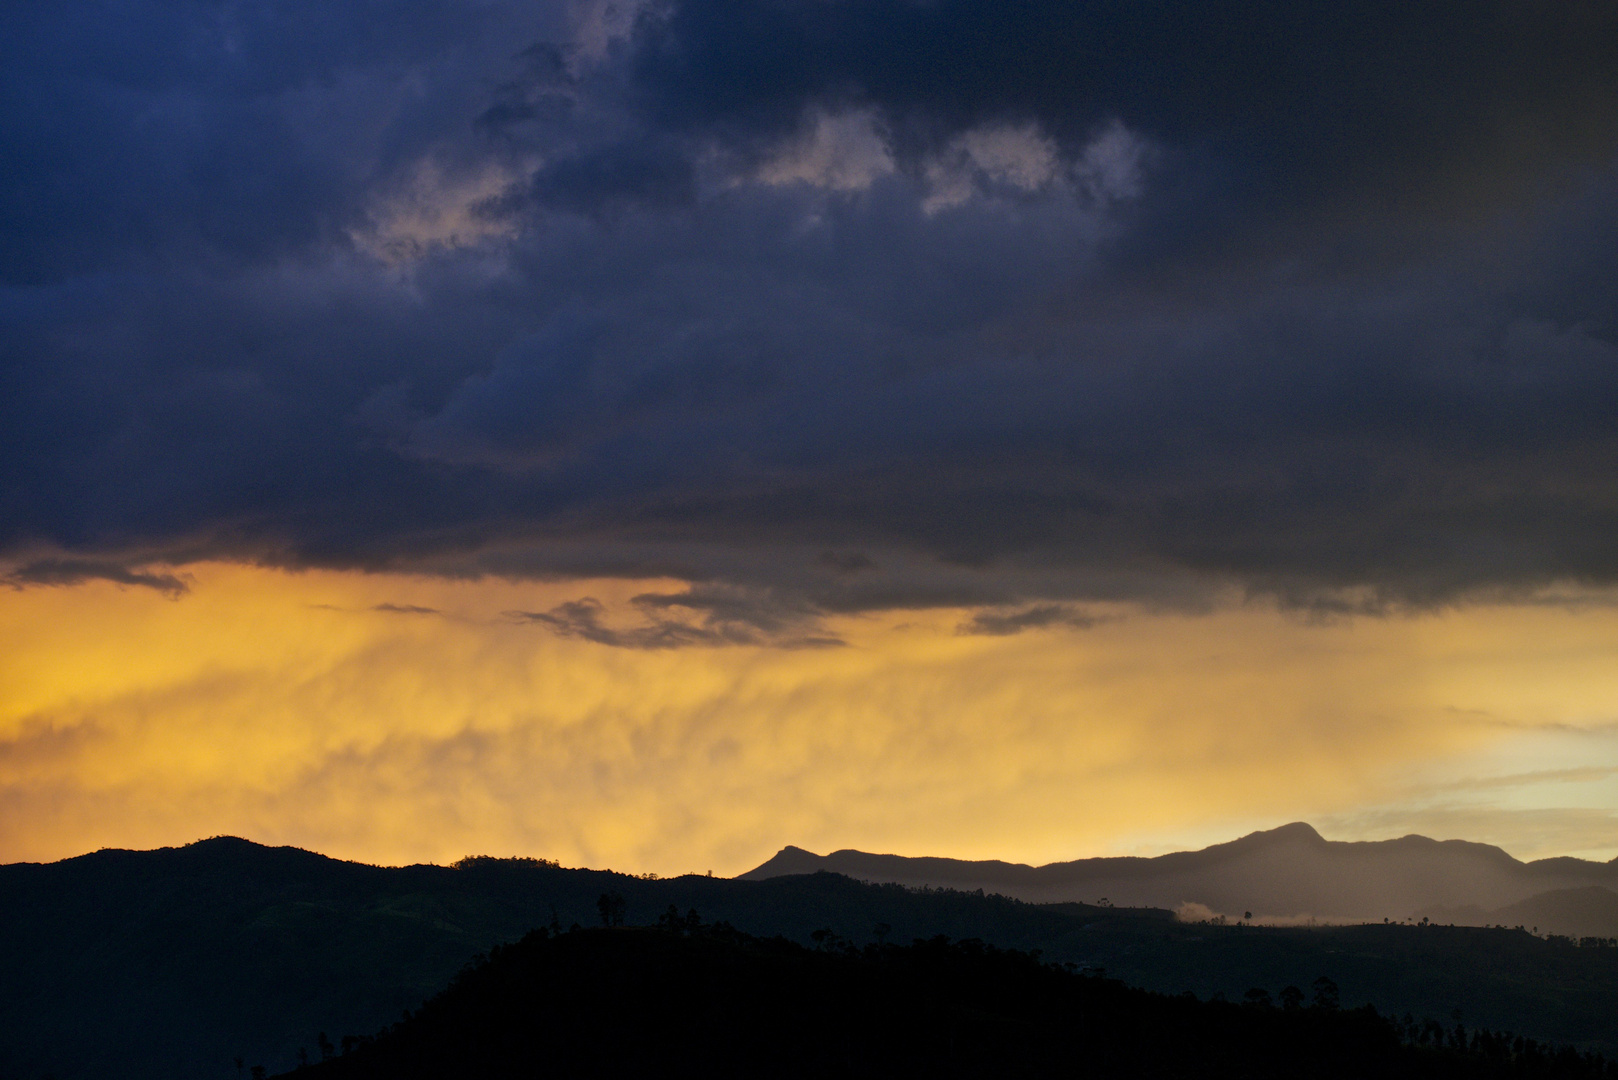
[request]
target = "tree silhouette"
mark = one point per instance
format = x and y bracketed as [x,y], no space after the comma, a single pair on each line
[1291,998]
[611,906]
[680,924]
[1325,994]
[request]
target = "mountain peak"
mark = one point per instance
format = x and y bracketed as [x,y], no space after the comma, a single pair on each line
[789,860]
[223,843]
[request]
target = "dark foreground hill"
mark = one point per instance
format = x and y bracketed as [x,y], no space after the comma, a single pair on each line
[692,1001]
[1288,872]
[173,963]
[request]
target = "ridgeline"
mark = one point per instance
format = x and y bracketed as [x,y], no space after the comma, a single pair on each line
[173,964]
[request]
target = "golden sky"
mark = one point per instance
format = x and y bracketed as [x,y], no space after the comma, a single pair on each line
[317,709]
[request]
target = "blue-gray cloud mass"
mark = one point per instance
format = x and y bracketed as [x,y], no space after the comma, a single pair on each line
[831,304]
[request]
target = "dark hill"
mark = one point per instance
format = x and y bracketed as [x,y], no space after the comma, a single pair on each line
[1287,872]
[172,963]
[687,1001]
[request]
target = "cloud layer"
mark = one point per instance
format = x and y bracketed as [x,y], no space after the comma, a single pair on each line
[818,307]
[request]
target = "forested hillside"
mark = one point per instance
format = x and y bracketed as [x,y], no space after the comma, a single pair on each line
[172,964]
[685,999]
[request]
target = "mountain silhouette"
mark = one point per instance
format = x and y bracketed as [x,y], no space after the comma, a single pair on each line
[1289,872]
[170,964]
[1591,911]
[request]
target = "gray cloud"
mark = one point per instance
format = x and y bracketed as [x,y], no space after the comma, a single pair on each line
[724,616]
[406,609]
[77,571]
[1037,617]
[846,562]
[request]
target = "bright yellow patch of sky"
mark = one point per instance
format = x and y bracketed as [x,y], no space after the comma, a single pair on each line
[286,708]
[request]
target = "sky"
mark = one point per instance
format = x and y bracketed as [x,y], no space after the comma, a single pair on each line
[648,433]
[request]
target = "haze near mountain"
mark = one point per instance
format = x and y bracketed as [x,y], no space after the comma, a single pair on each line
[1281,874]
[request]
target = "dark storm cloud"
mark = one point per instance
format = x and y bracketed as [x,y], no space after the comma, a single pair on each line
[725,616]
[1004,624]
[205,129]
[821,307]
[78,571]
[1274,112]
[406,609]
[846,562]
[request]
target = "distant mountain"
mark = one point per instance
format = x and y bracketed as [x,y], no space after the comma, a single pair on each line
[1591,911]
[1290,872]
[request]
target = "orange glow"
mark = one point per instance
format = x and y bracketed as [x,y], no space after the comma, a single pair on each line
[286,708]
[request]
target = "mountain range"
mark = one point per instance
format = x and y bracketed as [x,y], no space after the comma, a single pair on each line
[171,964]
[1591,911]
[1288,874]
